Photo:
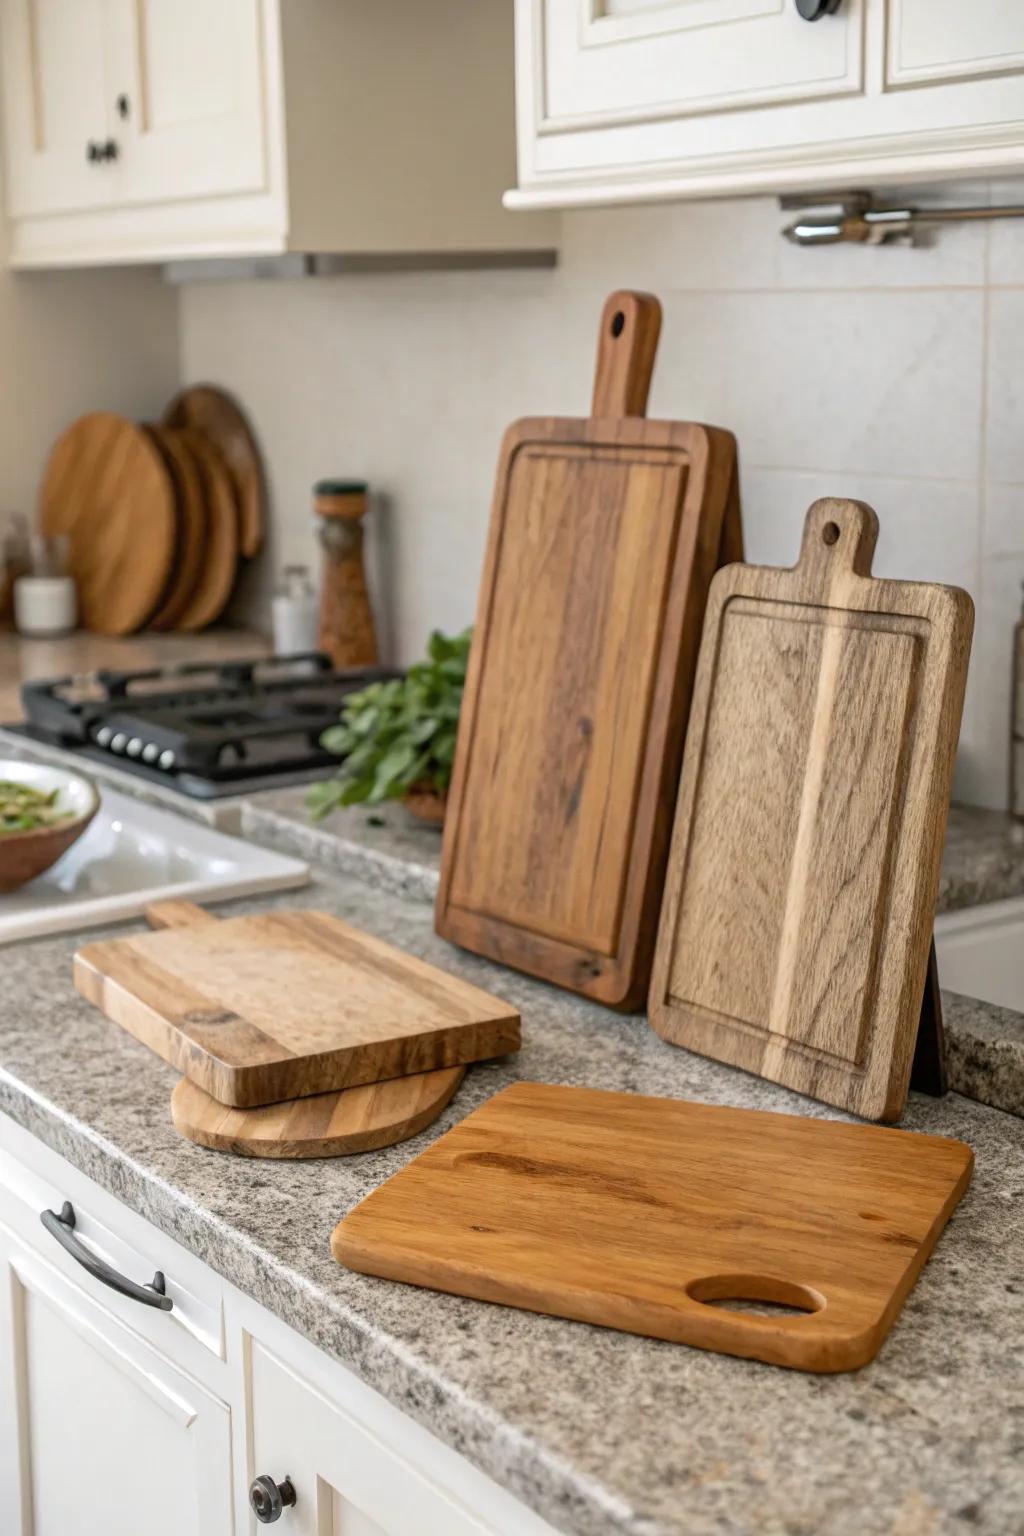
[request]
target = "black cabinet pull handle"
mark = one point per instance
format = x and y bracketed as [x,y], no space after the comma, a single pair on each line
[267,1499]
[814,10]
[92,152]
[62,1227]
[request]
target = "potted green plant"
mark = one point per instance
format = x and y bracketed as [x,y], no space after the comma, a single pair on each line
[396,740]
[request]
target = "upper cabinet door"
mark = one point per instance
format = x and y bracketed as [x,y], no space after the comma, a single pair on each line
[56,106]
[602,62]
[189,95]
[951,39]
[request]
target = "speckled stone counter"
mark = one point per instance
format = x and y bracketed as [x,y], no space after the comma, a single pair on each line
[983,859]
[600,1432]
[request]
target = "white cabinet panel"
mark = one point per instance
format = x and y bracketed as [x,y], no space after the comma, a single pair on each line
[950,39]
[100,1434]
[609,61]
[348,1480]
[980,952]
[191,77]
[56,103]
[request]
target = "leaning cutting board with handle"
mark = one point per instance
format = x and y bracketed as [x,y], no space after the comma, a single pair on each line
[667,1218]
[800,894]
[605,533]
[282,1004]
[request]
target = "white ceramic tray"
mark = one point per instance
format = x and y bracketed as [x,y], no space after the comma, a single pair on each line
[131,855]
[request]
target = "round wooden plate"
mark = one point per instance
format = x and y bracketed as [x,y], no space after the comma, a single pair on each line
[323,1125]
[107,488]
[215,414]
[219,567]
[193,525]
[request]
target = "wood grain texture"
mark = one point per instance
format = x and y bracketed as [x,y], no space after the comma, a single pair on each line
[213,413]
[640,1213]
[193,525]
[218,570]
[108,489]
[604,536]
[323,1125]
[288,1003]
[804,868]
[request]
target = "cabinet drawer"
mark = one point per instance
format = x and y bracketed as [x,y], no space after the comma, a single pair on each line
[100,1433]
[34,1179]
[603,62]
[950,40]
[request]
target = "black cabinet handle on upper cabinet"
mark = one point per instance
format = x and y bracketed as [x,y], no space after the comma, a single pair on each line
[814,10]
[62,1227]
[267,1499]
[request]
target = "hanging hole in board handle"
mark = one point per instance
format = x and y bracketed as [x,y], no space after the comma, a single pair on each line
[830,533]
[618,324]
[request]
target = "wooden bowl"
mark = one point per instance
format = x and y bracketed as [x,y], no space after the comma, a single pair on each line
[24,855]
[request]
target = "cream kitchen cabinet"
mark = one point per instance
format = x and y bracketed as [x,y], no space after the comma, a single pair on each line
[155,130]
[634,100]
[118,1418]
[94,1421]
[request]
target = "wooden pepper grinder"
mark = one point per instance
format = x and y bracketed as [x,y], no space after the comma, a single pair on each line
[346,630]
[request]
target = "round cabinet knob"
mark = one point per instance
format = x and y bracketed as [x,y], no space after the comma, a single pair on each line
[269,1499]
[814,10]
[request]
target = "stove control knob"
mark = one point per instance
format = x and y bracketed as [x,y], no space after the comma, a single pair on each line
[134,747]
[103,736]
[118,742]
[150,752]
[167,759]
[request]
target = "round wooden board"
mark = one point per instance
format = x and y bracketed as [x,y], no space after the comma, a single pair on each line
[193,525]
[219,565]
[215,414]
[107,488]
[323,1125]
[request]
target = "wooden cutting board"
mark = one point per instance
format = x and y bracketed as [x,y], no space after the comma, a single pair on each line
[650,1215]
[287,1003]
[322,1125]
[193,526]
[213,412]
[219,567]
[107,488]
[605,533]
[804,868]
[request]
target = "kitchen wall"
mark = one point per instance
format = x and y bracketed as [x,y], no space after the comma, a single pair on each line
[893,375]
[73,342]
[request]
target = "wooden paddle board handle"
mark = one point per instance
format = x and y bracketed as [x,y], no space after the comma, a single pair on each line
[626,344]
[176,914]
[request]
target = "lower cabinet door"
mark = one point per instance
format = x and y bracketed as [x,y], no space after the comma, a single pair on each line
[100,1435]
[351,1478]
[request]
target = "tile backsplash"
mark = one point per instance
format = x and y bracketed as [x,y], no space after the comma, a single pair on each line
[893,375]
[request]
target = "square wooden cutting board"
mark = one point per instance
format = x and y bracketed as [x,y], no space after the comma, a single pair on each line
[283,1004]
[652,1215]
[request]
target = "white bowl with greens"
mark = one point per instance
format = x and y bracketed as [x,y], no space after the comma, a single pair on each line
[43,810]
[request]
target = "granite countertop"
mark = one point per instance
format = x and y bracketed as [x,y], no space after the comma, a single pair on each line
[600,1432]
[983,859]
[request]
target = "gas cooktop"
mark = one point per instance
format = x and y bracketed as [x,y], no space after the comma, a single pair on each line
[207,731]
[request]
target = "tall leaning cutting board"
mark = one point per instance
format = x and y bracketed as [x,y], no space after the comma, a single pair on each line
[605,533]
[804,866]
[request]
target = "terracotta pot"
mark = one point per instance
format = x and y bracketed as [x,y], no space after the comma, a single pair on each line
[426,805]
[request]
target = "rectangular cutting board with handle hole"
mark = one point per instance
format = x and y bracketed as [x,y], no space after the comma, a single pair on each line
[651,1215]
[804,866]
[604,536]
[283,1004]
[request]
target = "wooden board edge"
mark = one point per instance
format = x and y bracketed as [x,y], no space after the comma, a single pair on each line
[316,1147]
